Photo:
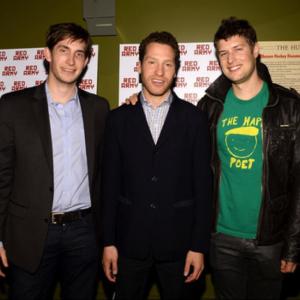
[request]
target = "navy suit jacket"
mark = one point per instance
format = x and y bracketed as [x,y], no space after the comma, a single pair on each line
[157,197]
[26,168]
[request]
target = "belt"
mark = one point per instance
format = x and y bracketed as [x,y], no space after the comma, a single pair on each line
[70,216]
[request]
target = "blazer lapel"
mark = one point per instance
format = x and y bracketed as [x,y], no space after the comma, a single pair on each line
[169,127]
[88,116]
[40,109]
[140,123]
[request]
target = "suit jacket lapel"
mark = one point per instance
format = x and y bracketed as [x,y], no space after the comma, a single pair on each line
[88,116]
[140,123]
[169,127]
[40,109]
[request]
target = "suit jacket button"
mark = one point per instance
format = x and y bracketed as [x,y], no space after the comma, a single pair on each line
[51,189]
[154,179]
[152,205]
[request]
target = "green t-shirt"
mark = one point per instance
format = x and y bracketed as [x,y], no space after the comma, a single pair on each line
[240,150]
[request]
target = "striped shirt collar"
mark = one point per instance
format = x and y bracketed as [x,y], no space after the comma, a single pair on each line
[167,101]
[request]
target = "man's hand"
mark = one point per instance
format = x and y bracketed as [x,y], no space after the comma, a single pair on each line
[194,265]
[3,260]
[110,262]
[287,266]
[133,99]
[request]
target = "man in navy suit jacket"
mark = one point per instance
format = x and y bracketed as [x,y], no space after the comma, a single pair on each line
[156,181]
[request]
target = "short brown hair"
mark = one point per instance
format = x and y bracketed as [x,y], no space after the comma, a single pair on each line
[233,26]
[162,37]
[61,31]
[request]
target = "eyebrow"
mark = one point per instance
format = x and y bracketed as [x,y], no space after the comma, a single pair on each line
[155,58]
[63,46]
[68,48]
[235,46]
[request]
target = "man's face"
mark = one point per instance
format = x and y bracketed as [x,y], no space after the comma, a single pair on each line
[157,70]
[237,58]
[66,61]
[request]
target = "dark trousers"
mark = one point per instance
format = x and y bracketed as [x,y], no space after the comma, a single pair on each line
[133,276]
[71,256]
[243,270]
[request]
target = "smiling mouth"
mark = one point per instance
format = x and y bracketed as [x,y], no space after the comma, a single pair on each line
[69,70]
[235,68]
[157,82]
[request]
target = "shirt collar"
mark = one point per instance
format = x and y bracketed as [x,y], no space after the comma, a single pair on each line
[167,101]
[74,98]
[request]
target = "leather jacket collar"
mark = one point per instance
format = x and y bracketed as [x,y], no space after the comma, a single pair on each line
[219,88]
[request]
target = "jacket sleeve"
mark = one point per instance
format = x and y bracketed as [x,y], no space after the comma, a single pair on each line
[203,187]
[7,159]
[110,182]
[291,250]
[96,187]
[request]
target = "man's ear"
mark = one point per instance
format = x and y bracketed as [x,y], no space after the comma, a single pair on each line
[256,50]
[86,62]
[139,67]
[47,54]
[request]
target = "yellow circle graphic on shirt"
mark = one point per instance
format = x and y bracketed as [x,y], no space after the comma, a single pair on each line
[241,142]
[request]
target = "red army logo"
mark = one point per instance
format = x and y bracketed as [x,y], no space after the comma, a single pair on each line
[87,84]
[39,55]
[203,49]
[129,82]
[202,82]
[130,51]
[31,70]
[20,55]
[180,82]
[190,66]
[18,85]
[213,65]
[9,71]
[3,56]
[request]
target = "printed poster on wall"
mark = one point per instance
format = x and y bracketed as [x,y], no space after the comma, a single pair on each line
[199,68]
[283,60]
[22,68]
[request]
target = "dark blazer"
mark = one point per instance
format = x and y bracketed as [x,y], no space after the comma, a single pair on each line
[26,168]
[156,198]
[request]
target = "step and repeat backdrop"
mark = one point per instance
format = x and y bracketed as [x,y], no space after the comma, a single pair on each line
[22,68]
[199,67]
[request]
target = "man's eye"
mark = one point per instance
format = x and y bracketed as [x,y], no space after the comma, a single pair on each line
[80,55]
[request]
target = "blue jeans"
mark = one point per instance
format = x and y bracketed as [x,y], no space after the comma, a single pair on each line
[243,270]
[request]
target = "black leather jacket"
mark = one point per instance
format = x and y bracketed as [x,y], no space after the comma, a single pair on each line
[279,219]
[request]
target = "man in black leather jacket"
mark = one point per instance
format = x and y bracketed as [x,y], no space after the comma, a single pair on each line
[255,126]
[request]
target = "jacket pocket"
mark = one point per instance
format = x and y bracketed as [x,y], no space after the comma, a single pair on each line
[281,139]
[17,210]
[124,200]
[184,203]
[279,204]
